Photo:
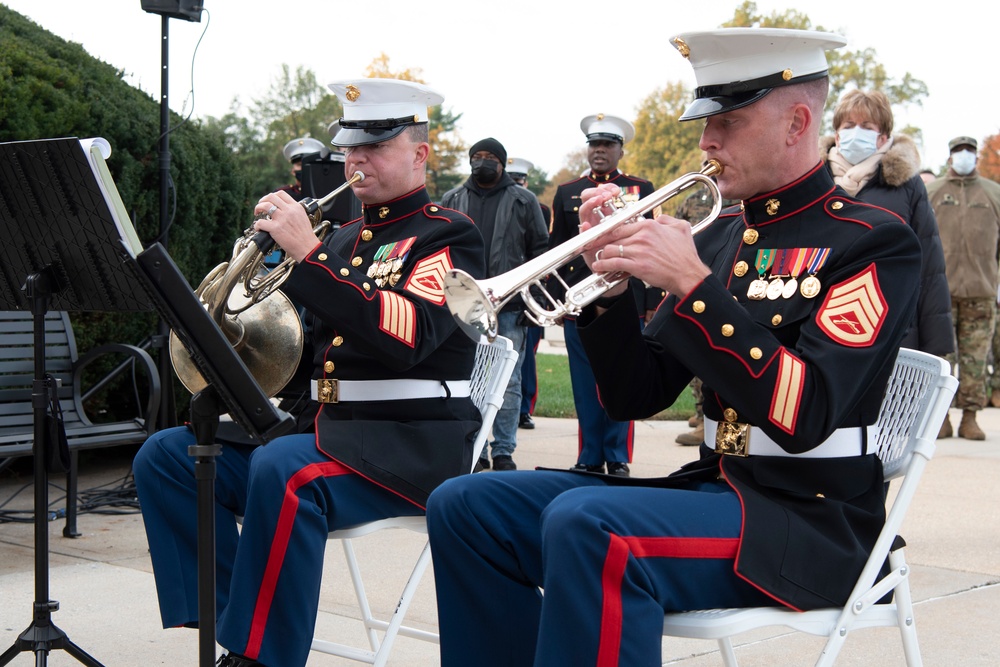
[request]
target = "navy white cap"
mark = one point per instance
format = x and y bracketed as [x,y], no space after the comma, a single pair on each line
[296,149]
[518,165]
[379,109]
[735,67]
[602,127]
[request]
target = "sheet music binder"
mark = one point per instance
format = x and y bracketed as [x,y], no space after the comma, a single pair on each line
[96,255]
[211,351]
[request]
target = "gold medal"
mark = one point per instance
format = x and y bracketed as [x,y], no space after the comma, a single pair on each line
[774,288]
[810,287]
[758,288]
[790,288]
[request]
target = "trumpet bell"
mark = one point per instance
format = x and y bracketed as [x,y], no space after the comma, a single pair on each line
[470,304]
[270,345]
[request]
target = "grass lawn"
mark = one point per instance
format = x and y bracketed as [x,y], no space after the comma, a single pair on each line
[555,393]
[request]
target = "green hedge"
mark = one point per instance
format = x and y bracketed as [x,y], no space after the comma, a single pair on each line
[51,88]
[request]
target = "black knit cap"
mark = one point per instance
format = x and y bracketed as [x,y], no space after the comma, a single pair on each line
[491,145]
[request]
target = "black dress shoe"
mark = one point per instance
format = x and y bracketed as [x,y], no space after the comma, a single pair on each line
[618,468]
[503,462]
[482,464]
[583,467]
[233,660]
[526,421]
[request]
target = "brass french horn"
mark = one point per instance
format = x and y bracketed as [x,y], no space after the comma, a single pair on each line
[261,323]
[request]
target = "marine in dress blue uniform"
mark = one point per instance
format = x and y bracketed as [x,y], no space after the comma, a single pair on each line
[390,419]
[518,169]
[294,151]
[792,321]
[601,438]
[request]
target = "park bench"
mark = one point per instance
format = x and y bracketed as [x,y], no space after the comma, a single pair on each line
[61,361]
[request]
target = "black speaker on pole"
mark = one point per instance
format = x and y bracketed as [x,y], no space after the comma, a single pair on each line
[189,10]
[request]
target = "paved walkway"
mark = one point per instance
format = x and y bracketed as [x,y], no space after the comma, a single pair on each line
[103,583]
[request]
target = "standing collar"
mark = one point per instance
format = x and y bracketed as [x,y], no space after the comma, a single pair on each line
[789,199]
[394,209]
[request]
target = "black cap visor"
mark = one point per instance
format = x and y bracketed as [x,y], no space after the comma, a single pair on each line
[604,136]
[704,107]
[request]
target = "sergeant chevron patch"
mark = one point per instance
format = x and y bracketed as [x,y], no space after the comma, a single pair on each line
[427,279]
[854,310]
[398,317]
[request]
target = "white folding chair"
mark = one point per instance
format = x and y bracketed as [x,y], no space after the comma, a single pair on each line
[915,404]
[494,365]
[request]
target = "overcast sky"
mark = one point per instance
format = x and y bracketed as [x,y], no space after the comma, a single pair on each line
[525,73]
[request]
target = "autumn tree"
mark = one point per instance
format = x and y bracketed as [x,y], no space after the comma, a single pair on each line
[989,158]
[663,148]
[447,148]
[848,69]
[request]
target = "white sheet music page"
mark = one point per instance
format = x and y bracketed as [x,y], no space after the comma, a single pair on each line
[98,150]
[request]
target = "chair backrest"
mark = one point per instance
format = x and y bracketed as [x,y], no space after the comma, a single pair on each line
[915,403]
[17,369]
[494,364]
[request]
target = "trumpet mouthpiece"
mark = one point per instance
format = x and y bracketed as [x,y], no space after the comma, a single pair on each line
[360,175]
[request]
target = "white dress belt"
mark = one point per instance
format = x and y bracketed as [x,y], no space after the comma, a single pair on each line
[337,391]
[842,442]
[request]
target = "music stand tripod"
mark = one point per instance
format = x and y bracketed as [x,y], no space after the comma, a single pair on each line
[62,250]
[42,635]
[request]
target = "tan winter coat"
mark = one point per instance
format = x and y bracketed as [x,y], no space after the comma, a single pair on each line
[968,214]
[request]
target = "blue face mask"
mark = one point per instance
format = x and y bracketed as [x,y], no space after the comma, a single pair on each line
[857,143]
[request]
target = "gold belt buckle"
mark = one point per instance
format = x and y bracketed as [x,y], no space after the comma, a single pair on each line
[327,391]
[732,439]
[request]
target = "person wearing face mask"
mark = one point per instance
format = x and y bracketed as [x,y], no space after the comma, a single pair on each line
[968,212]
[514,231]
[881,169]
[294,151]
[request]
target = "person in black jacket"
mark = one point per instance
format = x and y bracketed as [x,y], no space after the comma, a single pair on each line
[510,220]
[881,169]
[790,308]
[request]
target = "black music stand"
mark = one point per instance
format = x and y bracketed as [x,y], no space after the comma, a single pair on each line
[69,245]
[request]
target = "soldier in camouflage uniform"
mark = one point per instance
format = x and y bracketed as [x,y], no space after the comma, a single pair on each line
[967,206]
[694,208]
[995,365]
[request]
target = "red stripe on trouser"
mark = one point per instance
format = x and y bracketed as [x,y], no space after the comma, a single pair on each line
[279,546]
[644,547]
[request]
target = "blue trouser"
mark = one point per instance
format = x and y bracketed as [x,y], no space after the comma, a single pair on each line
[602,439]
[611,561]
[290,496]
[529,372]
[505,423]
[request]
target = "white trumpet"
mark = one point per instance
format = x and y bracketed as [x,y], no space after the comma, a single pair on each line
[475,303]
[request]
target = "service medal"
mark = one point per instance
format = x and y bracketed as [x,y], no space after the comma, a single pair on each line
[810,287]
[790,288]
[774,288]
[758,288]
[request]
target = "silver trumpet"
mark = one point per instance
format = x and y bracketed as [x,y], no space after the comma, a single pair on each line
[475,303]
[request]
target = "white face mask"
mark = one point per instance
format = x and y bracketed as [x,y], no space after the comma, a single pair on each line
[857,143]
[963,162]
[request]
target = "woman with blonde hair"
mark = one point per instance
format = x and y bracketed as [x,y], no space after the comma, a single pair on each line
[881,169]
